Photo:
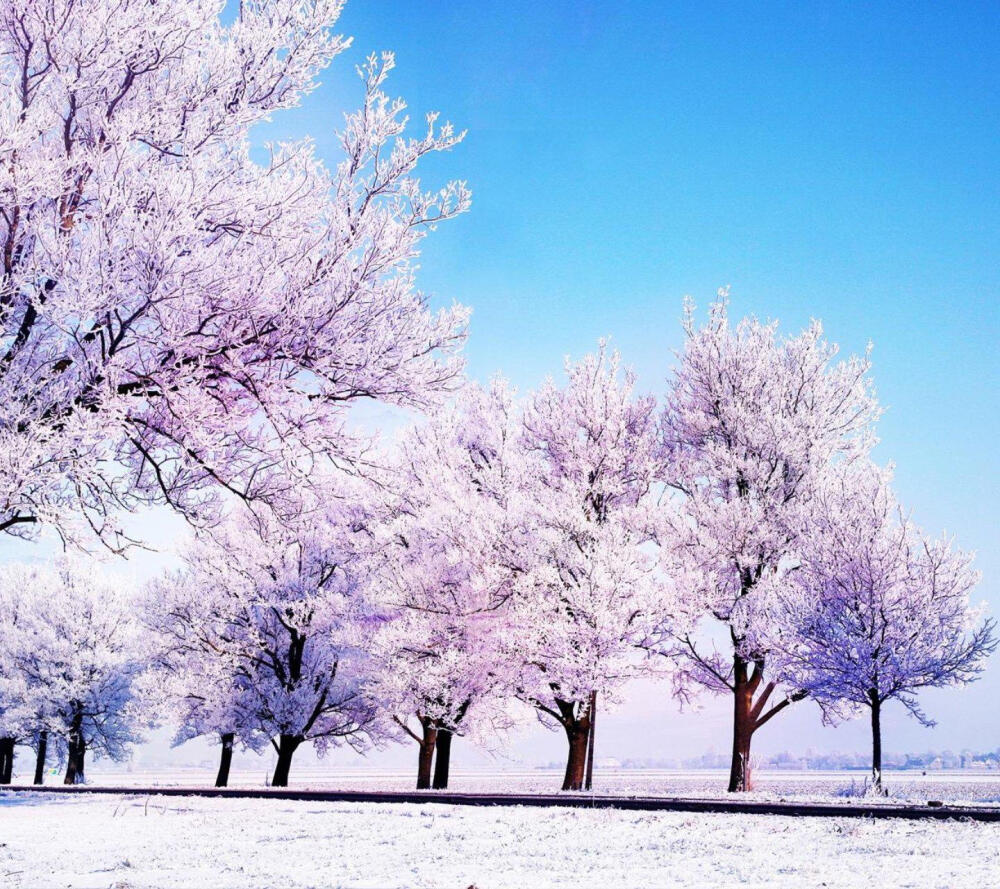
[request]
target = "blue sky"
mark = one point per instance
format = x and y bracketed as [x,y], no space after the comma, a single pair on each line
[825,160]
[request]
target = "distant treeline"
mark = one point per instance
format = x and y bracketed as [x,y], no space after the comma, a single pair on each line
[932,759]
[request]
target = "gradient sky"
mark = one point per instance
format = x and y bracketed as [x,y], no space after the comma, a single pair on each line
[823,160]
[837,161]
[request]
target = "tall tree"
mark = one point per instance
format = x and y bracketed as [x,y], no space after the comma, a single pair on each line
[588,598]
[751,424]
[452,554]
[878,610]
[284,608]
[180,317]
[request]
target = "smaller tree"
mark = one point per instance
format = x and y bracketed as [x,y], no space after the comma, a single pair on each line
[877,610]
[444,674]
[200,686]
[283,608]
[24,710]
[80,656]
[15,710]
[447,564]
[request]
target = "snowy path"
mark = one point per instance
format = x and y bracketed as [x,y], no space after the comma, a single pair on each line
[128,843]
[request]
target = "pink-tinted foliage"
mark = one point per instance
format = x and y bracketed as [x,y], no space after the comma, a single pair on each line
[453,549]
[593,589]
[751,425]
[179,318]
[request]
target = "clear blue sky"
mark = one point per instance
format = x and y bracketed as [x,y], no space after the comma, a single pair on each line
[826,160]
[839,161]
[822,160]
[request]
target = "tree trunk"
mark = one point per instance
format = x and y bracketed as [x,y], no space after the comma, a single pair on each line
[574,716]
[589,782]
[578,735]
[43,747]
[6,760]
[75,759]
[442,765]
[225,760]
[287,745]
[743,728]
[425,757]
[876,708]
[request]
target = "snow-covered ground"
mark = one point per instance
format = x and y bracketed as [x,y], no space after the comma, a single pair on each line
[165,842]
[962,786]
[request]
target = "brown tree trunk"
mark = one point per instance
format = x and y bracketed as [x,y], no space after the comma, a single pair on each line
[749,714]
[576,762]
[6,760]
[876,708]
[225,760]
[743,729]
[287,745]
[425,757]
[574,717]
[442,764]
[43,747]
[588,784]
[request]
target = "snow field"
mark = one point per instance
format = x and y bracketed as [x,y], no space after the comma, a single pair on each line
[169,843]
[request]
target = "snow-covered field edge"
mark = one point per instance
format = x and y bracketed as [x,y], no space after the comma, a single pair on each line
[959,787]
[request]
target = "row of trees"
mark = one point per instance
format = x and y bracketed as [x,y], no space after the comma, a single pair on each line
[549,551]
[185,324]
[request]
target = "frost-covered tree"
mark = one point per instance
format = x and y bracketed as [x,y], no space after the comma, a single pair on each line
[197,685]
[284,608]
[16,716]
[452,552]
[751,424]
[179,318]
[24,710]
[80,655]
[591,591]
[878,610]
